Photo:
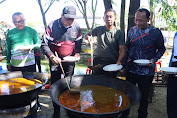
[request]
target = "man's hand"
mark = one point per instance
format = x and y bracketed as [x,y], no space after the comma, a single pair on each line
[77,55]
[9,67]
[55,60]
[165,78]
[118,63]
[89,37]
[152,62]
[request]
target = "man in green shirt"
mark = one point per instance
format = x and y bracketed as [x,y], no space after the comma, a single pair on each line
[110,43]
[20,44]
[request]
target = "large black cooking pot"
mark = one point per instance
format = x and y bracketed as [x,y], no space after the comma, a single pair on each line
[20,99]
[128,88]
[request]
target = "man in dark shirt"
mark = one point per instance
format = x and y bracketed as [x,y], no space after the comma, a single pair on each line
[144,42]
[110,43]
[64,37]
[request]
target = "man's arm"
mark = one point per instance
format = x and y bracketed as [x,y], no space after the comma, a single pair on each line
[160,46]
[47,38]
[78,42]
[36,40]
[121,43]
[121,54]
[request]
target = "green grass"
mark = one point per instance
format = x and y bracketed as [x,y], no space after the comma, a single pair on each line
[45,62]
[81,64]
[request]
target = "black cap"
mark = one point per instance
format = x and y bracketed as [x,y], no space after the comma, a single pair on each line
[69,12]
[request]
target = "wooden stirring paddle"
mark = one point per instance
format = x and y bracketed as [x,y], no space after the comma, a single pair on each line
[72,90]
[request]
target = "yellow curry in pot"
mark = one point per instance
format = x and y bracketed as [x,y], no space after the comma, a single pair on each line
[18,85]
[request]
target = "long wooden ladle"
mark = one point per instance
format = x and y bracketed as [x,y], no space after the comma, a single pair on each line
[72,90]
[91,46]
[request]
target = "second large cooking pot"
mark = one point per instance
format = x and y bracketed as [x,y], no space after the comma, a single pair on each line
[126,87]
[20,99]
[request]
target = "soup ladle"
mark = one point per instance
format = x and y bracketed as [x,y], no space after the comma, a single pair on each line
[71,90]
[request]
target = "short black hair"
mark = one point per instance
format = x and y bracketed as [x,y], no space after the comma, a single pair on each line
[16,14]
[144,10]
[110,10]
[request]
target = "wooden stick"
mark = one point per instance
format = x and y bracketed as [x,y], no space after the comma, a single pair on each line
[91,46]
[63,71]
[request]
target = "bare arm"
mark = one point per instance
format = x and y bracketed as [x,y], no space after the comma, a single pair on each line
[121,54]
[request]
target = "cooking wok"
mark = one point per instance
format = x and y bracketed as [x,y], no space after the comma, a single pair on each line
[20,99]
[126,87]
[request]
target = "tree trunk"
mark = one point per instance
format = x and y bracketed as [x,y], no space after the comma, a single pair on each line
[94,11]
[43,14]
[151,12]
[134,5]
[85,15]
[122,16]
[86,21]
[107,4]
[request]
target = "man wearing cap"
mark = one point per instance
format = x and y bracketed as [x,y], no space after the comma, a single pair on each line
[62,36]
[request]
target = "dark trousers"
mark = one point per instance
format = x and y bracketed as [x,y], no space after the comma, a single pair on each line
[56,75]
[104,63]
[144,83]
[38,63]
[37,54]
[172,95]
[30,68]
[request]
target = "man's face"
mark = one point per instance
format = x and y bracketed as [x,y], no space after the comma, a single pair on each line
[109,18]
[141,20]
[19,22]
[67,21]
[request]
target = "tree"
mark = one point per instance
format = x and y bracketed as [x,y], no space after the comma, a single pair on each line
[134,5]
[48,3]
[107,4]
[168,13]
[122,16]
[152,8]
[82,6]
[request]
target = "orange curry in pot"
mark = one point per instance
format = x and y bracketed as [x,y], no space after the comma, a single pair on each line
[95,99]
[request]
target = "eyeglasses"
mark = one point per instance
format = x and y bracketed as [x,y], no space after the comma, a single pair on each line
[19,22]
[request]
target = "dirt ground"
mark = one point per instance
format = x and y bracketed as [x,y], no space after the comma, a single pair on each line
[157,109]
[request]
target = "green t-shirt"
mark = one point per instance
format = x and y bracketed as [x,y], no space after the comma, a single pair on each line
[108,42]
[17,39]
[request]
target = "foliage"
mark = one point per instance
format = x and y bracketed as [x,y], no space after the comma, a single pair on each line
[30,24]
[84,31]
[4,29]
[169,13]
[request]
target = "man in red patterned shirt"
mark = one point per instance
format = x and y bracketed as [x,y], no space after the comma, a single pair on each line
[64,37]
